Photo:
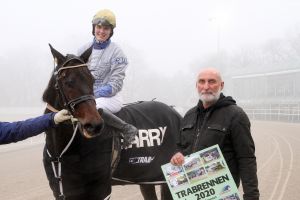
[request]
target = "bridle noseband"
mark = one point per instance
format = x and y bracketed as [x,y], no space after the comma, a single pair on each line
[70,104]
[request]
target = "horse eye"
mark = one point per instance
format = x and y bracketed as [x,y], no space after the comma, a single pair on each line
[69,83]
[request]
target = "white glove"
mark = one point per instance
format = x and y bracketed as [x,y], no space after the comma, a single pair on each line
[61,116]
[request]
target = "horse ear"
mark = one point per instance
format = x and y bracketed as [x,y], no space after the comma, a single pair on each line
[58,57]
[85,55]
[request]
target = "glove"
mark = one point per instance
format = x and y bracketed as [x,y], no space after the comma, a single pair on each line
[61,116]
[104,91]
[128,134]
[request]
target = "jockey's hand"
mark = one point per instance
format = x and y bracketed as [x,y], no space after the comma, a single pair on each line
[104,91]
[61,116]
[177,159]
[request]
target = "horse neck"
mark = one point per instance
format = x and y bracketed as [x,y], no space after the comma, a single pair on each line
[51,95]
[55,103]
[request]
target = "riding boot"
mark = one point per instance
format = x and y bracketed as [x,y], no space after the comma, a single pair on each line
[128,131]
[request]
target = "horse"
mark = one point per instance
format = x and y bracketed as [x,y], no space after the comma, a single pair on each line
[77,165]
[80,156]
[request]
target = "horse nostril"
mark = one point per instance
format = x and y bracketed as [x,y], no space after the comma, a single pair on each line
[93,128]
[88,127]
[98,127]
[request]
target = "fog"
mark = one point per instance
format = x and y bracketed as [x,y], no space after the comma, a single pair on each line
[166,43]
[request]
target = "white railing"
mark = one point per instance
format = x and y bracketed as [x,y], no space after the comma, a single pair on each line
[291,114]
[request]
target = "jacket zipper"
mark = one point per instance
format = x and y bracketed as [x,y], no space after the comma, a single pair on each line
[199,131]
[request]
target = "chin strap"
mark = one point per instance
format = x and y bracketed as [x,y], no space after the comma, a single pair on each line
[51,108]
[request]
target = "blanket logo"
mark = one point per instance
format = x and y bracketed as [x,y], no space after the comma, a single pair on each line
[149,137]
[141,160]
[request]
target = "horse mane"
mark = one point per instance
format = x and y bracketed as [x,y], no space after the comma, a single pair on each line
[49,93]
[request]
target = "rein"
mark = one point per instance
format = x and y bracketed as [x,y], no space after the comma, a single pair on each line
[56,161]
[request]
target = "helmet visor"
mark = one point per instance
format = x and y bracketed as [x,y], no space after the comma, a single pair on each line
[101,22]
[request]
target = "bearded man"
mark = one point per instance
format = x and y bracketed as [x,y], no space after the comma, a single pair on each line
[218,120]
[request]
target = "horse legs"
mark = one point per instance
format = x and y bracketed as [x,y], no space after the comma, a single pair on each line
[165,192]
[148,192]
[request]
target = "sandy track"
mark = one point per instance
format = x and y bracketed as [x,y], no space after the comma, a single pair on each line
[277,149]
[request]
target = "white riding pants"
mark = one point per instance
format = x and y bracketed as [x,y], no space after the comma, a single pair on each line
[112,104]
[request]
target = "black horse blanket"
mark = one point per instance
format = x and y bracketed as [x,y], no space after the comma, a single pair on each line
[159,126]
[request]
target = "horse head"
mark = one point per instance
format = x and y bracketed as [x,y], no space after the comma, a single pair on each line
[71,87]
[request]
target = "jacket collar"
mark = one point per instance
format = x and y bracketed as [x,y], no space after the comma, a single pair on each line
[100,45]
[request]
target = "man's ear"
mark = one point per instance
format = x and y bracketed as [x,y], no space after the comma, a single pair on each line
[222,85]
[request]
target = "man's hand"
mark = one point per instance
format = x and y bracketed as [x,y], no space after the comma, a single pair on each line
[177,159]
[61,116]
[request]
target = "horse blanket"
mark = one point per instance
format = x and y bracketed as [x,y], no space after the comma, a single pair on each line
[159,126]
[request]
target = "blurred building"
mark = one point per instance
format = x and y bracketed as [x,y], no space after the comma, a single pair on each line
[269,96]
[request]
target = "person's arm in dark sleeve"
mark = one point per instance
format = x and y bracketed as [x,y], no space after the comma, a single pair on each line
[245,154]
[20,130]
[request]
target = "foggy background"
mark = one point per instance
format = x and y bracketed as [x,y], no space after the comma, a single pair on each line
[166,43]
[255,44]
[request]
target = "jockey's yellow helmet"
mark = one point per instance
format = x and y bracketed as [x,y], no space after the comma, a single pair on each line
[104,17]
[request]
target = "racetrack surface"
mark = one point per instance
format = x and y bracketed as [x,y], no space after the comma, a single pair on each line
[277,149]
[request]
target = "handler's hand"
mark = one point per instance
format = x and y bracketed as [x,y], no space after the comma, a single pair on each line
[61,116]
[177,159]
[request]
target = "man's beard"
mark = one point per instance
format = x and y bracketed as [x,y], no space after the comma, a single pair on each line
[210,97]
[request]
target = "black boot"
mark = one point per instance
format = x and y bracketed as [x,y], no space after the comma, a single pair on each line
[128,131]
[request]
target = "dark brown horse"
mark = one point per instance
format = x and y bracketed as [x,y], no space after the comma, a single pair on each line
[76,162]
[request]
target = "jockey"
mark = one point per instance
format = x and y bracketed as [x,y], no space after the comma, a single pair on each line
[107,64]
[21,130]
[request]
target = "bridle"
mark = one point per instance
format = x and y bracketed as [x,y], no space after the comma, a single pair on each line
[70,104]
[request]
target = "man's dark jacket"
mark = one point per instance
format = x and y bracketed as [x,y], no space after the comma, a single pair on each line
[227,125]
